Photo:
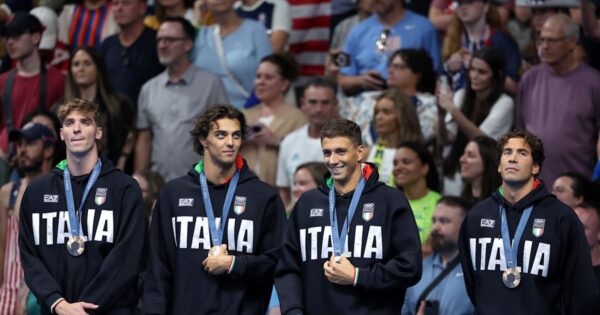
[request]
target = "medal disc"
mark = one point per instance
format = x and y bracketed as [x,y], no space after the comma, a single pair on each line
[75,245]
[511,278]
[215,251]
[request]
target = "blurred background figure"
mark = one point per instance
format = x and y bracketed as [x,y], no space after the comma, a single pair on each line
[170,8]
[572,189]
[307,176]
[271,120]
[589,215]
[416,175]
[87,79]
[479,169]
[150,183]
[276,17]
[481,108]
[394,121]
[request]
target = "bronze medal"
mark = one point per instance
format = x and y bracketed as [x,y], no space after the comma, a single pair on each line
[76,245]
[511,278]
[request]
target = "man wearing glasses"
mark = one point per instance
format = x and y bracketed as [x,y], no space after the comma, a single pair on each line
[170,101]
[564,94]
[30,85]
[372,41]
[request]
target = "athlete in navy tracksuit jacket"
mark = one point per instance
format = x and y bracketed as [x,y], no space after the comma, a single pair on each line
[551,271]
[383,243]
[176,282]
[114,222]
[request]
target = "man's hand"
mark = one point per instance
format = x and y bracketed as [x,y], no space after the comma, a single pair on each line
[65,308]
[421,310]
[339,270]
[372,80]
[218,264]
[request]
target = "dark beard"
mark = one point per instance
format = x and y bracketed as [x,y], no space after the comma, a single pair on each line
[440,245]
[34,167]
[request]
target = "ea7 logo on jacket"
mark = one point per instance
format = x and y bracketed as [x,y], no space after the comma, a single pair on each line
[488,223]
[56,227]
[51,198]
[186,202]
[315,243]
[316,212]
[492,258]
[197,228]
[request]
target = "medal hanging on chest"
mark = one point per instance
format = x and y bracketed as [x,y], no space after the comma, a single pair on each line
[216,232]
[339,238]
[76,242]
[511,277]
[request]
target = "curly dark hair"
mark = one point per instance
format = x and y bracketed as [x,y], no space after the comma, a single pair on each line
[212,114]
[535,143]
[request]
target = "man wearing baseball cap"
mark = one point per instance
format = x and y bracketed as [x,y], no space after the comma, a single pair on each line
[35,144]
[29,85]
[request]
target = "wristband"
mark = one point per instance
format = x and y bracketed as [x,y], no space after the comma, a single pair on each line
[355,276]
[231,264]
[55,304]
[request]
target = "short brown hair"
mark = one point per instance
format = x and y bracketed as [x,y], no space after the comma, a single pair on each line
[79,105]
[342,128]
[535,143]
[211,115]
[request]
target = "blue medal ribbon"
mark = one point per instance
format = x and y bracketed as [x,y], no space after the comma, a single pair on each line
[74,217]
[339,239]
[510,252]
[216,233]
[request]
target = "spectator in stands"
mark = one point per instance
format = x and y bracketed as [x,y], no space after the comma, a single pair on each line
[35,145]
[479,169]
[170,102]
[307,176]
[50,120]
[589,16]
[546,90]
[371,42]
[572,188]
[481,108]
[150,183]
[30,85]
[88,80]
[364,10]
[319,104]
[273,118]
[130,56]
[170,8]
[589,215]
[416,175]
[232,49]
[441,12]
[86,24]
[411,71]
[51,53]
[395,121]
[476,25]
[275,15]
[448,295]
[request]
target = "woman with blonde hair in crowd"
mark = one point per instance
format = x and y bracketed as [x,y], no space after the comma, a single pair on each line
[394,121]
[273,118]
[87,79]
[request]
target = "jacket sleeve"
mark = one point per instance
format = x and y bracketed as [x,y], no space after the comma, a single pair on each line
[288,277]
[580,290]
[404,268]
[261,266]
[37,276]
[157,286]
[465,259]
[121,268]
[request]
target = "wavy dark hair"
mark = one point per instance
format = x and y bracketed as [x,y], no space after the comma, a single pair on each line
[473,108]
[432,178]
[490,180]
[534,142]
[211,115]
[421,64]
